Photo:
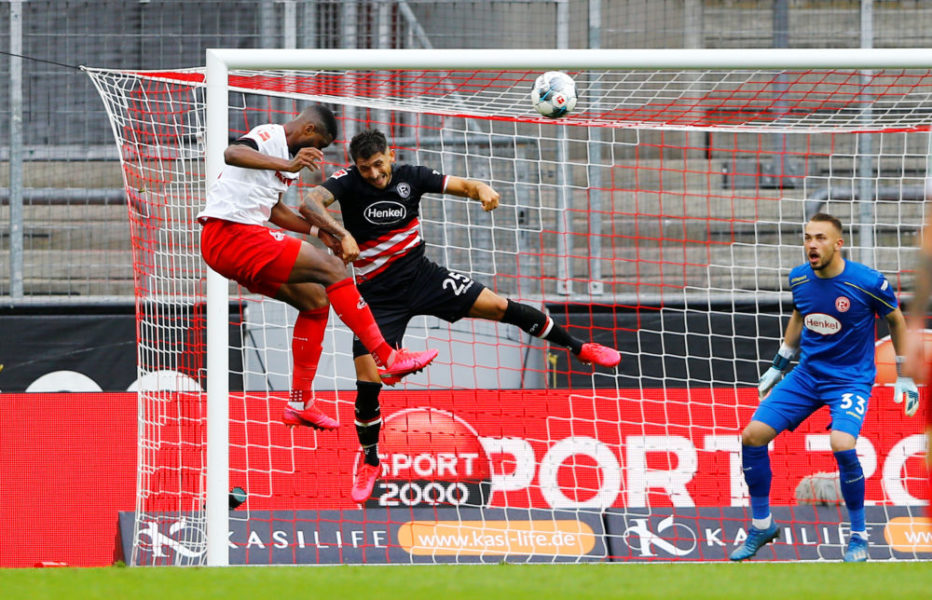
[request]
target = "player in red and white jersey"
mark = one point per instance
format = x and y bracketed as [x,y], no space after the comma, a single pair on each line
[380,204]
[235,242]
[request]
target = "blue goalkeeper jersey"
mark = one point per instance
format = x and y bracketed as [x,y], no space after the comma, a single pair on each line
[838,320]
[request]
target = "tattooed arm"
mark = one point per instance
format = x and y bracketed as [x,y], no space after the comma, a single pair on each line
[313,209]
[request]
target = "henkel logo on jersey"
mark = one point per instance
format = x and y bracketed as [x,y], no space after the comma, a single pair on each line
[431,458]
[822,324]
[385,212]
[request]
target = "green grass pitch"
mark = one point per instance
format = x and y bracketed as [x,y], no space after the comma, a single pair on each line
[477,582]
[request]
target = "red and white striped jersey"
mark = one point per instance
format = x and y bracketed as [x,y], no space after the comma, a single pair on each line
[385,222]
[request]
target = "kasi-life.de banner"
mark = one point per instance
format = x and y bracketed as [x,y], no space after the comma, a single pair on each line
[447,535]
[374,536]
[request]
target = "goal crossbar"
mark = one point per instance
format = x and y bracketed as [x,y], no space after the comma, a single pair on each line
[570,59]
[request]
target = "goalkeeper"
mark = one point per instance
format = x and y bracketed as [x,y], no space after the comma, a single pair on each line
[835,302]
[380,203]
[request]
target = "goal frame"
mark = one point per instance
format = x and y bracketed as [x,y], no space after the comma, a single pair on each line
[220,61]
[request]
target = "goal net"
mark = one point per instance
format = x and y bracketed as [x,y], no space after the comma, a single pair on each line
[661,218]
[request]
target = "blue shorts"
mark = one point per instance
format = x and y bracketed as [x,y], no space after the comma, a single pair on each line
[799,395]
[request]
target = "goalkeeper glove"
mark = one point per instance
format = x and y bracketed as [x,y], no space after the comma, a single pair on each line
[905,388]
[775,373]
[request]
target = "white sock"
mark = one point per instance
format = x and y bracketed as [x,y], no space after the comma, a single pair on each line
[762,523]
[297,402]
[860,534]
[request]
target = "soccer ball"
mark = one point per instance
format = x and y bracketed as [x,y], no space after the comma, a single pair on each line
[554,94]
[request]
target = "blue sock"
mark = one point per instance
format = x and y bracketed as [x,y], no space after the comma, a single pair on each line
[755,461]
[852,486]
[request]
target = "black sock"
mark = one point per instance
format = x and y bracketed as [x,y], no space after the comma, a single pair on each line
[370,454]
[368,419]
[536,323]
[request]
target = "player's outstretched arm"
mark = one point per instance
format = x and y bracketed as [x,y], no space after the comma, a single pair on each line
[470,188]
[905,388]
[783,357]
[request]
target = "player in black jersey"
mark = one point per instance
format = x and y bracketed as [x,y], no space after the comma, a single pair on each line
[380,205]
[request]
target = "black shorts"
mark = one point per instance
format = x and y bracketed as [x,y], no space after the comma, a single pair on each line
[423,288]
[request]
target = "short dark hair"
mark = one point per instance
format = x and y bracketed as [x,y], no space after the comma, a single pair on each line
[325,118]
[827,218]
[366,143]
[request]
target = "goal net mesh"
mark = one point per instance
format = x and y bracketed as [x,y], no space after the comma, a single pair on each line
[661,218]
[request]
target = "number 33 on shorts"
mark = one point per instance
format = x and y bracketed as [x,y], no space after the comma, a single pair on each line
[855,405]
